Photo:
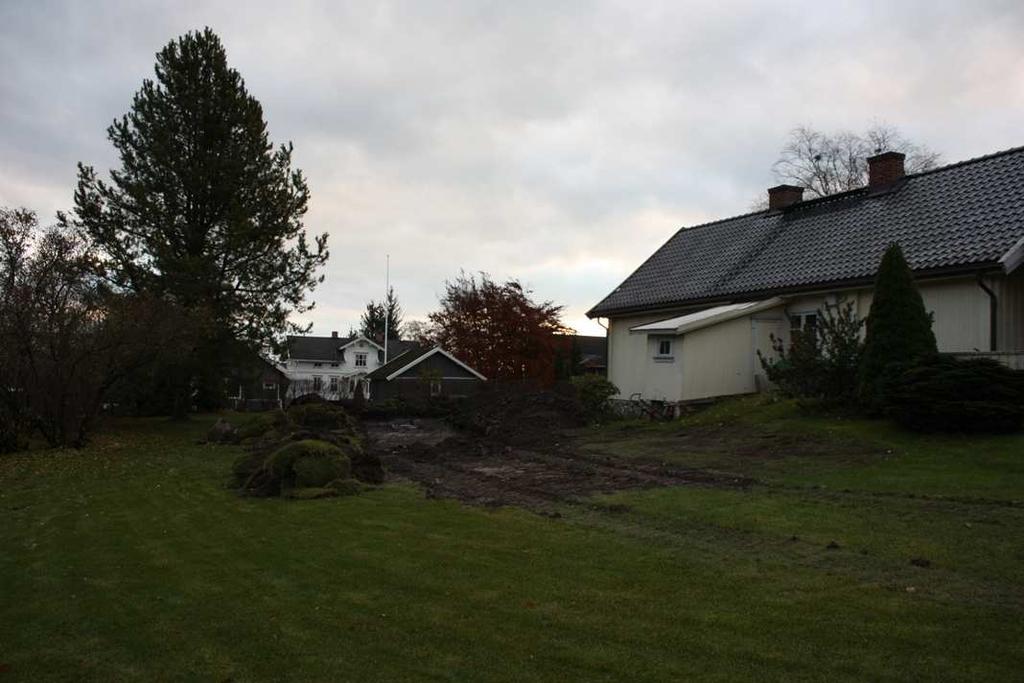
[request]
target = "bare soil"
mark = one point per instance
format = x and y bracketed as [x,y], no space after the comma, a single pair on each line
[482,471]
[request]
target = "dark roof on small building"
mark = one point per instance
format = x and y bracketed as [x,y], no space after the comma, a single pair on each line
[417,354]
[957,218]
[411,354]
[327,348]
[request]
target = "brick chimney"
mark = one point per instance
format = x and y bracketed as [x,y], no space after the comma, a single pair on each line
[781,196]
[885,169]
[334,335]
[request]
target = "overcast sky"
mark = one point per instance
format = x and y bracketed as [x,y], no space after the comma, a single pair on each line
[556,142]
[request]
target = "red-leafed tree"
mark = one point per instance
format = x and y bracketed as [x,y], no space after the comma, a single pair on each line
[498,329]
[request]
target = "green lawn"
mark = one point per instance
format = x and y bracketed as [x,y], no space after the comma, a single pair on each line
[131,561]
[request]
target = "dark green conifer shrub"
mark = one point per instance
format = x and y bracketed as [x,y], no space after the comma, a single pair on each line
[899,331]
[943,394]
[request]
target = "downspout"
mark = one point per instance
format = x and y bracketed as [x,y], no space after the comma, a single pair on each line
[993,311]
[607,348]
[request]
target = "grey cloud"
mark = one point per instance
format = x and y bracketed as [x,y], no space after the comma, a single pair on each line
[557,142]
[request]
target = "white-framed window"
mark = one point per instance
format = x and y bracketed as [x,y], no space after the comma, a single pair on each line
[334,385]
[360,360]
[317,365]
[269,386]
[318,383]
[803,322]
[663,350]
[435,387]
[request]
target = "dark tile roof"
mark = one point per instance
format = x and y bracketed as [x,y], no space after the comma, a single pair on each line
[326,348]
[412,353]
[965,215]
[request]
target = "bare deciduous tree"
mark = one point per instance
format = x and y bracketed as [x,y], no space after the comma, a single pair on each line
[824,164]
[65,339]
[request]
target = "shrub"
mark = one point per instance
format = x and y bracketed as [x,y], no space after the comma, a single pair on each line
[594,392]
[11,431]
[820,365]
[899,331]
[943,394]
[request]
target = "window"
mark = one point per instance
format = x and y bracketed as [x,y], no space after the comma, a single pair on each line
[803,322]
[317,365]
[665,347]
[269,386]
[318,383]
[334,365]
[334,385]
[360,360]
[435,388]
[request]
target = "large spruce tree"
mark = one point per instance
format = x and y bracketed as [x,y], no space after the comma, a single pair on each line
[899,330]
[371,325]
[203,210]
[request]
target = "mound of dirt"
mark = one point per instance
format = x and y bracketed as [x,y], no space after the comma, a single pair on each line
[517,416]
[257,473]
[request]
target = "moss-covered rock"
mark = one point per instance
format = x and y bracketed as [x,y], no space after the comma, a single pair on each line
[265,423]
[299,464]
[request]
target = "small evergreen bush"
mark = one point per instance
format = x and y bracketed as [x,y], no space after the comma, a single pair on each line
[899,331]
[943,394]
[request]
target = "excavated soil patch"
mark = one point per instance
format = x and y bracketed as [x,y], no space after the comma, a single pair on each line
[484,472]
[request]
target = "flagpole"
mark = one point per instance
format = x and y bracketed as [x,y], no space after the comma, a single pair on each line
[387,292]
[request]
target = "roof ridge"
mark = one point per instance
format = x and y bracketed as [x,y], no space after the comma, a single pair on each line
[753,235]
[815,201]
[965,162]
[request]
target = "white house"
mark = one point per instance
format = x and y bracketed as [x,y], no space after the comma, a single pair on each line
[688,323]
[334,367]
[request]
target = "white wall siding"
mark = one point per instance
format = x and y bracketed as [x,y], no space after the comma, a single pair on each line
[721,360]
[628,355]
[1010,315]
[961,314]
[664,374]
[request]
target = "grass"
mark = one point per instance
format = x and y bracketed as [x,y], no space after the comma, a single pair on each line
[777,444]
[129,560]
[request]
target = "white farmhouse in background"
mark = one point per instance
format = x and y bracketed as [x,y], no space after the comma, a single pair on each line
[334,367]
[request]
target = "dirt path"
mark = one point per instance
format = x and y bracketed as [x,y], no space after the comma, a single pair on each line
[452,465]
